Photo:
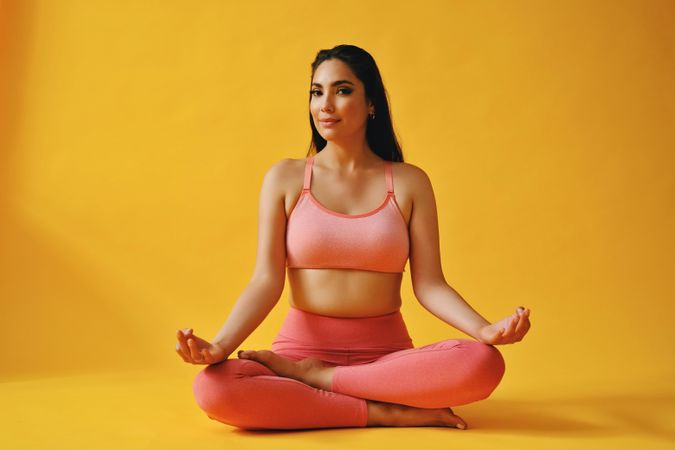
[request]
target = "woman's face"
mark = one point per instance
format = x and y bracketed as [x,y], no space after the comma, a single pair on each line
[336,93]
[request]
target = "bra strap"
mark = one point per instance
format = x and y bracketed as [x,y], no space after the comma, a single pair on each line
[308,173]
[388,176]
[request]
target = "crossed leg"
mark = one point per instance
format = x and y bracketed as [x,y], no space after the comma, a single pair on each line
[267,390]
[452,372]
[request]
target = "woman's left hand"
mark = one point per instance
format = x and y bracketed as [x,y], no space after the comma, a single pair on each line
[508,330]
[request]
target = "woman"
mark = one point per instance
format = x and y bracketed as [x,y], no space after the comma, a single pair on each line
[343,356]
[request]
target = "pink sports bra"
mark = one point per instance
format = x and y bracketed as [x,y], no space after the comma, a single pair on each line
[317,237]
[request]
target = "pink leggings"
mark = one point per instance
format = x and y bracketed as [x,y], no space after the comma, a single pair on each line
[374,358]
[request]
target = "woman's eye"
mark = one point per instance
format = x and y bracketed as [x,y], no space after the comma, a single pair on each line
[345,90]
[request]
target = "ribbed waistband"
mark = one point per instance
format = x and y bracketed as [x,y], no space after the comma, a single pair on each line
[387,330]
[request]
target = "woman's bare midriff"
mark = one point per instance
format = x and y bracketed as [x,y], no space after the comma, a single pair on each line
[344,292]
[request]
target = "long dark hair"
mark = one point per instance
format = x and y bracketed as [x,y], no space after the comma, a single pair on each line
[379,131]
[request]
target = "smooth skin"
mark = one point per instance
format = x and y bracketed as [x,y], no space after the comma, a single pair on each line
[348,179]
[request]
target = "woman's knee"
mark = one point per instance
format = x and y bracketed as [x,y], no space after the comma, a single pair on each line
[489,367]
[217,388]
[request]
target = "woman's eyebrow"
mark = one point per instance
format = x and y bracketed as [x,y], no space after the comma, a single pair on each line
[335,83]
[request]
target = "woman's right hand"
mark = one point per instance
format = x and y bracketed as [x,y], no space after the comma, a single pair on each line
[195,350]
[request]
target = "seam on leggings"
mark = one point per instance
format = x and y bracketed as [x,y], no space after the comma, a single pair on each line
[335,385]
[363,407]
[362,412]
[276,378]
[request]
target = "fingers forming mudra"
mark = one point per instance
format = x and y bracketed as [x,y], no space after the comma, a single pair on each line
[195,350]
[516,326]
[508,330]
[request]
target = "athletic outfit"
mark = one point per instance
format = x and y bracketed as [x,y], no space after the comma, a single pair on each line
[374,357]
[318,237]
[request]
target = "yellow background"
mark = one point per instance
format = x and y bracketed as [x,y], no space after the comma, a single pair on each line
[133,142]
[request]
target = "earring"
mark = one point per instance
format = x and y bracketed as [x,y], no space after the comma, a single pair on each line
[372,116]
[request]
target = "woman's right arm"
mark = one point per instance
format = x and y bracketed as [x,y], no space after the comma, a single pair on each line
[269,275]
[267,283]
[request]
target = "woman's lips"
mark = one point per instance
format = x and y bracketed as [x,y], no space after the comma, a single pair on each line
[328,123]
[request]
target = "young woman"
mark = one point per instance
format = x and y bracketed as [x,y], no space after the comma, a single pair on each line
[343,356]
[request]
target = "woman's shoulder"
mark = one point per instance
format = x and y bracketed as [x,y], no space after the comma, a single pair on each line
[410,174]
[283,166]
[286,173]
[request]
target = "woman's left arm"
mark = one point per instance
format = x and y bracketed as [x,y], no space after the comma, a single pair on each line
[429,285]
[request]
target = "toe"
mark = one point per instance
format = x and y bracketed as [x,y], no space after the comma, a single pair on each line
[248,354]
[264,356]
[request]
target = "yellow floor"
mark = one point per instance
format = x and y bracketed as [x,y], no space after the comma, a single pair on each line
[155,410]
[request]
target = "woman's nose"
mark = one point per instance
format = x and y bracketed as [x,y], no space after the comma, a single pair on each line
[326,103]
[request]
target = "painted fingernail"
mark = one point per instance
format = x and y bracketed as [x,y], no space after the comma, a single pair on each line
[461,426]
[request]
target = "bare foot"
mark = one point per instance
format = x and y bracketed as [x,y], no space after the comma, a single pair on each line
[311,371]
[396,415]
